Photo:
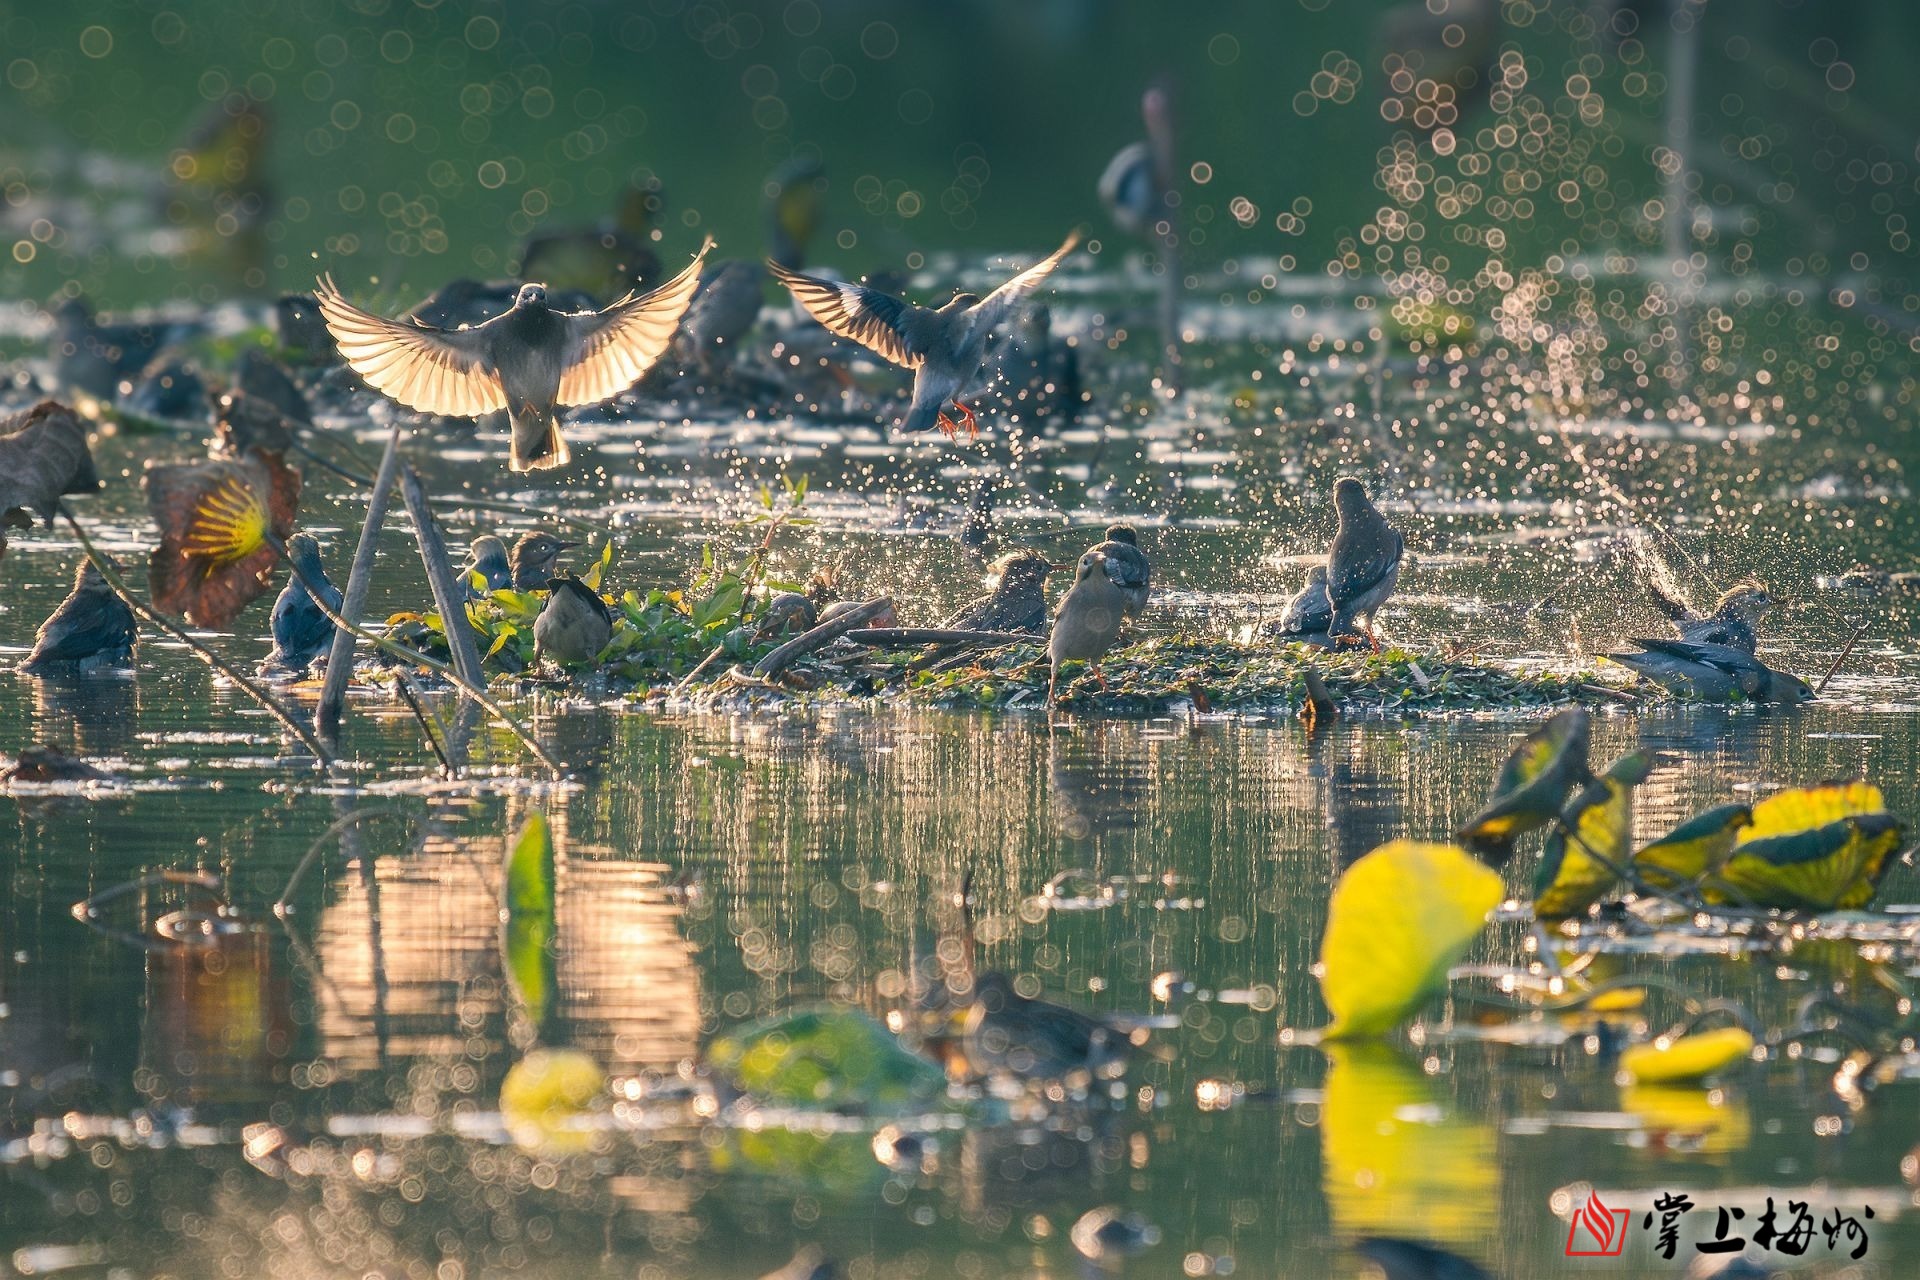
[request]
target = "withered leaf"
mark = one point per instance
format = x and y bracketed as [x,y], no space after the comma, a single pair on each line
[214,518]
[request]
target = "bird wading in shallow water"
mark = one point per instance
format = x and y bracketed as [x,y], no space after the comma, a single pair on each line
[1713,672]
[1363,564]
[91,629]
[944,347]
[1734,620]
[528,361]
[1127,565]
[487,556]
[1087,622]
[574,626]
[301,630]
[535,557]
[1018,601]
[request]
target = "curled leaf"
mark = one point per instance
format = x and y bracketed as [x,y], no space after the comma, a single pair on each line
[214,555]
[1399,918]
[1587,850]
[43,457]
[1812,849]
[1533,784]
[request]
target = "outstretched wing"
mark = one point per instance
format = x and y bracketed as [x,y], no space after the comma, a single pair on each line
[994,309]
[608,351]
[883,324]
[433,370]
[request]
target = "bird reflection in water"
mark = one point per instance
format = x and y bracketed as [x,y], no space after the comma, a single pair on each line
[87,715]
[1095,792]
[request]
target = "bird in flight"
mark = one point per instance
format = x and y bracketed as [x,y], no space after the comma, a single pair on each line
[944,346]
[528,360]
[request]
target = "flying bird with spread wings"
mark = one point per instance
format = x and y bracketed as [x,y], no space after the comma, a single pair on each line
[527,360]
[944,346]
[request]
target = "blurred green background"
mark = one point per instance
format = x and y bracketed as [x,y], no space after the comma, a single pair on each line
[410,142]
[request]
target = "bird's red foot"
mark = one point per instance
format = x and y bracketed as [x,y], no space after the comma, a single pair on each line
[966,417]
[1099,675]
[948,427]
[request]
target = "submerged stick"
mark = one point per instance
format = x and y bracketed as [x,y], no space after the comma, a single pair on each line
[333,692]
[904,637]
[447,596]
[827,632]
[1859,629]
[274,707]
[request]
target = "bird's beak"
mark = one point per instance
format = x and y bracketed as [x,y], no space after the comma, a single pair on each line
[567,546]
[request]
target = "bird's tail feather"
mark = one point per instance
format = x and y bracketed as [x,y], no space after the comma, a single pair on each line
[537,442]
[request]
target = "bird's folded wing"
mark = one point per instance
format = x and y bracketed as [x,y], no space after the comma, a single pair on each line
[883,324]
[432,370]
[608,351]
[998,305]
[82,625]
[1350,580]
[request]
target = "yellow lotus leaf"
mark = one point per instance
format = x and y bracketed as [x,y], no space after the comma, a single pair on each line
[1390,1155]
[544,1097]
[1582,858]
[1688,1058]
[1399,919]
[1812,849]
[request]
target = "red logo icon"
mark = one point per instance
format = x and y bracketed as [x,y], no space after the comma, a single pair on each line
[1604,1229]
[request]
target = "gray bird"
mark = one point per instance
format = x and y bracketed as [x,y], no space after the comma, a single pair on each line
[944,347]
[1127,566]
[1087,622]
[301,631]
[575,624]
[259,375]
[528,361]
[91,629]
[1310,611]
[1714,672]
[535,557]
[1018,601]
[487,556]
[722,313]
[1734,620]
[1364,562]
[1006,1033]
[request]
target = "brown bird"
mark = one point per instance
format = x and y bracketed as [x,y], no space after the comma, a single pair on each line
[526,361]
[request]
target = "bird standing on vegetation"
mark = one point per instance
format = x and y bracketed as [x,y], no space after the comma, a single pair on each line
[1127,565]
[575,624]
[535,557]
[1734,621]
[1713,672]
[301,630]
[1006,1033]
[1088,620]
[1363,564]
[944,347]
[91,629]
[528,361]
[1309,613]
[487,556]
[603,261]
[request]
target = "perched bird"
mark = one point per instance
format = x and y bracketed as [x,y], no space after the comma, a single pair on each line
[1532,786]
[1693,849]
[944,347]
[94,356]
[1005,1033]
[487,556]
[1127,566]
[575,624]
[301,329]
[1588,848]
[1712,672]
[91,629]
[301,631]
[528,361]
[789,612]
[605,260]
[1087,622]
[1310,612]
[1018,601]
[1363,564]
[169,390]
[259,375]
[1733,621]
[535,557]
